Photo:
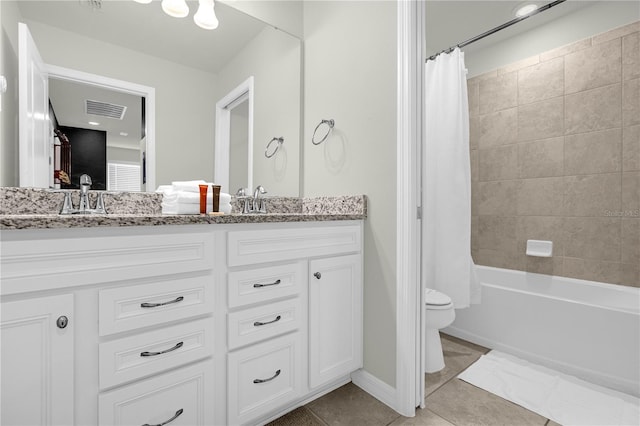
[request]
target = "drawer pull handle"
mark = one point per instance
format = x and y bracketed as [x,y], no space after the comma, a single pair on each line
[267,380]
[177,346]
[175,416]
[258,323]
[276,282]
[155,305]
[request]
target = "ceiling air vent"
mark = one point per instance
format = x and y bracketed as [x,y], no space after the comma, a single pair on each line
[104,109]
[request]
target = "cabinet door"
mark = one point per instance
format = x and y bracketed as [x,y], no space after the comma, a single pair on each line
[335,318]
[37,362]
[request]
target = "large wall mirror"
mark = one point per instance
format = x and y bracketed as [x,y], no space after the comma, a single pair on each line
[190,69]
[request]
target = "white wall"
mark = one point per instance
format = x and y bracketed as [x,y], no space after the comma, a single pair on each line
[274,60]
[350,76]
[185,98]
[597,18]
[10,15]
[123,155]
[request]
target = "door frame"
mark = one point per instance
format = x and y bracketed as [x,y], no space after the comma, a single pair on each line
[409,297]
[146,92]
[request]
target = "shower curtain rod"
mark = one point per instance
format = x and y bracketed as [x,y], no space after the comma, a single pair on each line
[496,29]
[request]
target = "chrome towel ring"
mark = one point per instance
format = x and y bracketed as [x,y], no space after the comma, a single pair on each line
[280,141]
[330,123]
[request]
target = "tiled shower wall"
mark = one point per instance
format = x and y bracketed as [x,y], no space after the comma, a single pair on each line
[555,155]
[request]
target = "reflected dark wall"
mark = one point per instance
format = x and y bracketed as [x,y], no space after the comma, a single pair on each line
[88,155]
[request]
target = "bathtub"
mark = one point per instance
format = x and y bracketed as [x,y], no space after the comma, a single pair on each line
[584,328]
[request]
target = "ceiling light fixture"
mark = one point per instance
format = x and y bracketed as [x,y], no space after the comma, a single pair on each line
[94,123]
[175,8]
[143,1]
[205,17]
[525,9]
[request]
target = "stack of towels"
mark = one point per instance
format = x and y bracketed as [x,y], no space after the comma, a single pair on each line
[184,198]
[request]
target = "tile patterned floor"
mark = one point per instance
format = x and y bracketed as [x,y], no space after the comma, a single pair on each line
[450,401]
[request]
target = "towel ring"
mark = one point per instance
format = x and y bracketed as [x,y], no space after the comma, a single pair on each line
[330,123]
[280,141]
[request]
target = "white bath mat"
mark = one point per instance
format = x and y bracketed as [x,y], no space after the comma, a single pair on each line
[562,398]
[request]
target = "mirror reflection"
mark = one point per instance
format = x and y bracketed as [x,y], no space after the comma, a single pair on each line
[190,69]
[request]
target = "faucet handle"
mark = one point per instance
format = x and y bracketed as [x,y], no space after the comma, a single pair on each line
[100,209]
[67,204]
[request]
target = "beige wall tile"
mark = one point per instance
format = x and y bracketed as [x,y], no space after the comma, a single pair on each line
[474,131]
[544,265]
[547,228]
[473,156]
[630,274]
[542,81]
[631,102]
[498,128]
[473,87]
[474,233]
[497,233]
[631,193]
[594,238]
[595,109]
[631,240]
[600,65]
[497,198]
[631,148]
[593,152]
[566,49]
[498,93]
[540,197]
[541,120]
[631,56]
[486,76]
[615,33]
[607,272]
[499,259]
[592,195]
[515,66]
[543,158]
[499,163]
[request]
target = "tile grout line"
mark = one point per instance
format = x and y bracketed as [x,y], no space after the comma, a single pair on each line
[315,416]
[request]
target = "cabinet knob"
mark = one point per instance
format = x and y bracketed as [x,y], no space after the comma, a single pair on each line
[318,275]
[62,322]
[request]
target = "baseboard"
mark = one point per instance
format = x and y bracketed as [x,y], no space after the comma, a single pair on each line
[375,387]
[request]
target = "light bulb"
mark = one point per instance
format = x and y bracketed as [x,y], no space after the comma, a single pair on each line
[143,1]
[175,8]
[526,9]
[205,17]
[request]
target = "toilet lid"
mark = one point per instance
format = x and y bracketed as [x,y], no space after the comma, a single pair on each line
[435,298]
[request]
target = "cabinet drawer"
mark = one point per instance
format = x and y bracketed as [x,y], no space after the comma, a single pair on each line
[155,401]
[265,284]
[256,324]
[272,245]
[128,308]
[264,377]
[142,355]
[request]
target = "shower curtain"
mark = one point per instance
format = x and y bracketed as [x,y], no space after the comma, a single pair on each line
[446,179]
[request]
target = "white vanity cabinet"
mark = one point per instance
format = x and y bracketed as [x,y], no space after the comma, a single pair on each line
[183,325]
[291,335]
[37,341]
[139,341]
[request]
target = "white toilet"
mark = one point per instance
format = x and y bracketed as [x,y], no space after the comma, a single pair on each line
[439,314]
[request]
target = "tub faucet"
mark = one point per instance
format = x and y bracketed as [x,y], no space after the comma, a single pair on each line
[259,205]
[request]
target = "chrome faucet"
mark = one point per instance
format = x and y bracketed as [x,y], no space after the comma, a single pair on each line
[85,185]
[83,206]
[259,205]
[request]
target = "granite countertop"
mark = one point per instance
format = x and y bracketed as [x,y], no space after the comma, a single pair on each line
[28,208]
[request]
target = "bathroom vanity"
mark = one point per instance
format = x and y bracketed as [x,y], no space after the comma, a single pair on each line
[199,323]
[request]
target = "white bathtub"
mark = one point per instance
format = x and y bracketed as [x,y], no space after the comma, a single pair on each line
[584,328]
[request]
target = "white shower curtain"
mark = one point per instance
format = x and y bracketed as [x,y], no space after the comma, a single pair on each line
[446,236]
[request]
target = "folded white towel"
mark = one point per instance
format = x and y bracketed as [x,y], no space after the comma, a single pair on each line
[180,208]
[193,198]
[189,185]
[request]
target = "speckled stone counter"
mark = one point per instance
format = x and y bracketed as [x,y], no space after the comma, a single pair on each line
[29,208]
